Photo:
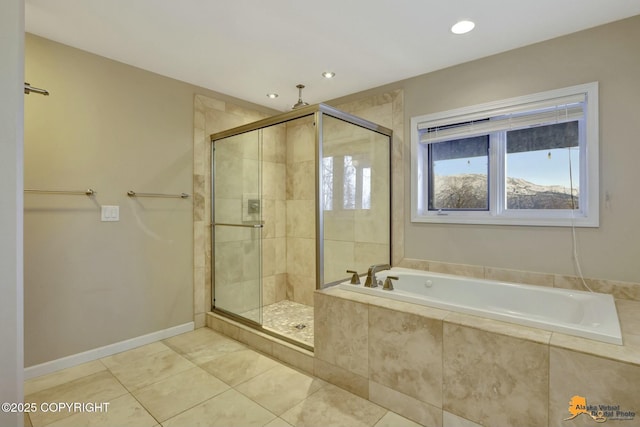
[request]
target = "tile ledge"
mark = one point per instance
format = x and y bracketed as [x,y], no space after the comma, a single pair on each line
[258,333]
[507,329]
[629,352]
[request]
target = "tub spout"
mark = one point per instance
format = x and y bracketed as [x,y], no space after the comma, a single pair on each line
[371,281]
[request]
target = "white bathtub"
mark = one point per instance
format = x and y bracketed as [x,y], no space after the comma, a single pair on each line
[583,314]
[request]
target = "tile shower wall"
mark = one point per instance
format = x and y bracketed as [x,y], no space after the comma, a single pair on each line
[356,228]
[300,210]
[290,243]
[274,214]
[387,110]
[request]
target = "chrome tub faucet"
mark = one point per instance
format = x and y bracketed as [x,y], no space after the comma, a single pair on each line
[371,281]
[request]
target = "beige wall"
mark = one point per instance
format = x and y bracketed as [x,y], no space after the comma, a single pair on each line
[114,128]
[11,217]
[607,54]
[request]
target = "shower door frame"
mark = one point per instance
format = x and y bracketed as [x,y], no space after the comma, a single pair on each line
[318,111]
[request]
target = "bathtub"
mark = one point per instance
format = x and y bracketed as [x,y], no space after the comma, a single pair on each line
[584,314]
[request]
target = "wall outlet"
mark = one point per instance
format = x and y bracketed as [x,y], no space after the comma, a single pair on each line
[110,213]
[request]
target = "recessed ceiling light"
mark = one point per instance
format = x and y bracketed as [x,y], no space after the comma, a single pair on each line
[328,74]
[462,27]
[272,95]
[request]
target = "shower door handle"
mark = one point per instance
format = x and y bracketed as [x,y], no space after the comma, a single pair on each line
[238,225]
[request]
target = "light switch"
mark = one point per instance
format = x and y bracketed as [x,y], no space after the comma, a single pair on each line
[110,213]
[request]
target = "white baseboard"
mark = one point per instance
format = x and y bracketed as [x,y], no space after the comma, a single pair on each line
[107,350]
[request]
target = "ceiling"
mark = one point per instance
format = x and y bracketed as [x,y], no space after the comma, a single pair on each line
[248,48]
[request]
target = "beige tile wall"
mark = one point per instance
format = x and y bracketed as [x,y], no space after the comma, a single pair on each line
[386,110]
[599,380]
[441,368]
[288,257]
[300,210]
[274,214]
[506,378]
[356,238]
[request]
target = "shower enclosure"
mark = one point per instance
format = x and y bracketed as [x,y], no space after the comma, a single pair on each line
[297,200]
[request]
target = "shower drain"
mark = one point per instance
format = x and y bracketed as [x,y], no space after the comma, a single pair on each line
[300,326]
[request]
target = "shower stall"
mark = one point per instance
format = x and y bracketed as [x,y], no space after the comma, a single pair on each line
[297,200]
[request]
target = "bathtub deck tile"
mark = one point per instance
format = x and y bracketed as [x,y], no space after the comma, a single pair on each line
[416,370]
[493,379]
[629,352]
[412,308]
[341,335]
[629,315]
[599,381]
[499,327]
[348,295]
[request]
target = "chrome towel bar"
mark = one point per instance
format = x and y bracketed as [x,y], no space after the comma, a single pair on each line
[131,193]
[238,225]
[28,89]
[87,192]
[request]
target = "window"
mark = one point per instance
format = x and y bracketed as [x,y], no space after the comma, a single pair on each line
[530,160]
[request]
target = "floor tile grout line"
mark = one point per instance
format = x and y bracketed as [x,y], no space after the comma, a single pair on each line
[257,403]
[60,370]
[185,356]
[131,392]
[70,414]
[81,378]
[159,379]
[175,415]
[102,359]
[206,400]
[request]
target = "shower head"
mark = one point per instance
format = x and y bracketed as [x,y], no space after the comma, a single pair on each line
[300,102]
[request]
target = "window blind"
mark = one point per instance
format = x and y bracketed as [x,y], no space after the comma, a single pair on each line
[557,110]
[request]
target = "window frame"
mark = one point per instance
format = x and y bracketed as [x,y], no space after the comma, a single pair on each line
[586,216]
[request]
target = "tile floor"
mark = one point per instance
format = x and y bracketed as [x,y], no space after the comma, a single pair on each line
[200,378]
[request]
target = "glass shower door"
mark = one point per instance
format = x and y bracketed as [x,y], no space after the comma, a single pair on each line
[355,204]
[237,225]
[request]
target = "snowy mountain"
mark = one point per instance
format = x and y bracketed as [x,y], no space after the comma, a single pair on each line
[470,191]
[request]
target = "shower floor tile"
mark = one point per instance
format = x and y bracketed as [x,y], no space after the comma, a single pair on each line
[287,318]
